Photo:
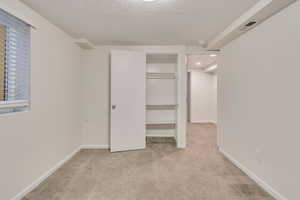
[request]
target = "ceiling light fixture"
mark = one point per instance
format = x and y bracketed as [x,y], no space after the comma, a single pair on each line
[212,68]
[213,55]
[149,0]
[198,63]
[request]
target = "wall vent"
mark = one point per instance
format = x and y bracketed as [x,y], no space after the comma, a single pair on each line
[251,23]
[248,26]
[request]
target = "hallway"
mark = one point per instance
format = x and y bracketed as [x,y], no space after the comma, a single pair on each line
[161,172]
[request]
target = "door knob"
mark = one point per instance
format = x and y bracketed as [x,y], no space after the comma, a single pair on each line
[113,107]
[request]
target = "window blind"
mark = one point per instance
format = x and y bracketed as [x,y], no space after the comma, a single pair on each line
[14,60]
[2,61]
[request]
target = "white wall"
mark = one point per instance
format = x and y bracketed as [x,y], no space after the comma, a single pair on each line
[96,97]
[203,97]
[33,142]
[96,93]
[259,102]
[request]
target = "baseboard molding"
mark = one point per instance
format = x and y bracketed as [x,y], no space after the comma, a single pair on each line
[52,170]
[102,146]
[254,177]
[44,176]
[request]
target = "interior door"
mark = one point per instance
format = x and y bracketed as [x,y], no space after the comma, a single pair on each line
[128,97]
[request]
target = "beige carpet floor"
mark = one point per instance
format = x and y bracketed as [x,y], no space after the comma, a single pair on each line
[160,172]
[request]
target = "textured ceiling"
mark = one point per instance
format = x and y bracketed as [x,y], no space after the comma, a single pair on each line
[162,22]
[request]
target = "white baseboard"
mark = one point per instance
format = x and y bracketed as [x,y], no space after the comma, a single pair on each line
[44,176]
[52,170]
[254,177]
[102,146]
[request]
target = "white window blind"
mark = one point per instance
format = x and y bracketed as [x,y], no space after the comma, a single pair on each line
[15,68]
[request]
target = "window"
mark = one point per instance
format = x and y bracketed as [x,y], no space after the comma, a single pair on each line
[14,63]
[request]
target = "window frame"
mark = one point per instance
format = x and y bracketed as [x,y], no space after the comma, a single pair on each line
[16,106]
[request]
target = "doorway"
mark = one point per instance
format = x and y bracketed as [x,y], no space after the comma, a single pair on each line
[202,87]
[188,97]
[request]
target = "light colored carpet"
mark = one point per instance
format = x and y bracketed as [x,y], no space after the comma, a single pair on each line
[161,172]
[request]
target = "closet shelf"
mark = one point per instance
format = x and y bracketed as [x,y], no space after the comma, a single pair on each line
[165,126]
[161,107]
[161,75]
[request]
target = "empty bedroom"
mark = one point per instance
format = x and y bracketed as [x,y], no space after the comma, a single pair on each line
[149,99]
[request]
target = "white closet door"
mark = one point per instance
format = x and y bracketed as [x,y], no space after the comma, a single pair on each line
[128,97]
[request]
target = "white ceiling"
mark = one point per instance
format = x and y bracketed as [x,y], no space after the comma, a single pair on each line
[135,22]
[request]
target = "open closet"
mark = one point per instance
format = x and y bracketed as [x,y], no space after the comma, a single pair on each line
[161,95]
[144,98]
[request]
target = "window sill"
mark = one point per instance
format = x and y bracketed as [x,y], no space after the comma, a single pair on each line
[14,104]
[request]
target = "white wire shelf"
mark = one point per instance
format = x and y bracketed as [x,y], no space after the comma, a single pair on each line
[161,75]
[161,126]
[161,107]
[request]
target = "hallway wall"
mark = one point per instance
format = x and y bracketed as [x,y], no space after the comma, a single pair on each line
[203,97]
[259,102]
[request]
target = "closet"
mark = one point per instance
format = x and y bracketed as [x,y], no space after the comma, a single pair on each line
[143,98]
[161,95]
